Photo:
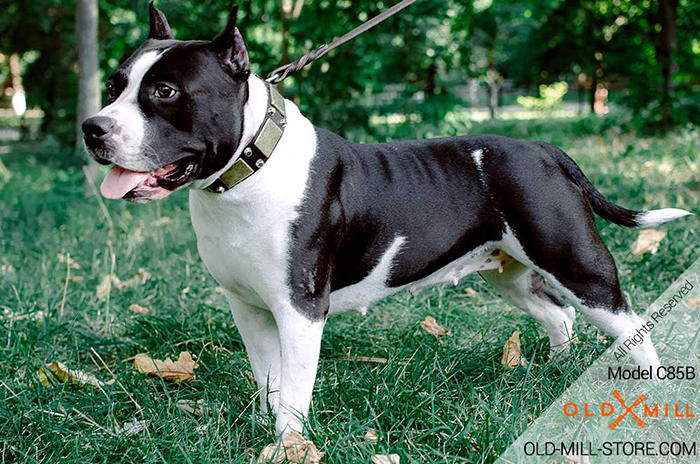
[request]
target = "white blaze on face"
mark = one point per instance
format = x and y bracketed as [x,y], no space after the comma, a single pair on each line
[130,121]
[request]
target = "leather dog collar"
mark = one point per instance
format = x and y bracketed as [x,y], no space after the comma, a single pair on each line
[257,152]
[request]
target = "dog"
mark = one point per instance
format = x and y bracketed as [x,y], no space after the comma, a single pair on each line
[298,224]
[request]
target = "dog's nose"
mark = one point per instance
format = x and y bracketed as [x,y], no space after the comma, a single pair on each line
[96,129]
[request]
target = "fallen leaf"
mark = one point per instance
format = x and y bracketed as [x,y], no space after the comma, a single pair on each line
[648,242]
[139,309]
[182,369]
[694,302]
[371,359]
[67,259]
[161,221]
[386,459]
[37,316]
[196,408]
[294,449]
[59,372]
[371,435]
[185,291]
[141,276]
[511,351]
[472,293]
[431,326]
[75,278]
[105,285]
[7,269]
[576,459]
[108,281]
[133,428]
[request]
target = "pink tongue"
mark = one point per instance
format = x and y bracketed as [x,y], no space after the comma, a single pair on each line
[120,181]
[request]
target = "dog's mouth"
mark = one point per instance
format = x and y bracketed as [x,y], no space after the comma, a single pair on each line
[140,186]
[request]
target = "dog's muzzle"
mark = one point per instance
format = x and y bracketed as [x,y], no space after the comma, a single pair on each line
[96,131]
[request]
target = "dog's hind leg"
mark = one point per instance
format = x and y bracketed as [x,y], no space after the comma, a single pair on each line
[527,290]
[581,268]
[260,335]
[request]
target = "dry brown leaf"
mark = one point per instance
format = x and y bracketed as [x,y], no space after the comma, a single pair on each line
[133,428]
[59,372]
[648,242]
[471,293]
[37,316]
[386,459]
[141,276]
[294,449]
[371,359]
[511,351]
[6,268]
[108,281]
[103,288]
[431,326]
[139,309]
[371,435]
[67,259]
[74,278]
[161,221]
[182,369]
[196,408]
[694,302]
[576,459]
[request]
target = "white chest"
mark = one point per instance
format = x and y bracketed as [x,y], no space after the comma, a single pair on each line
[243,235]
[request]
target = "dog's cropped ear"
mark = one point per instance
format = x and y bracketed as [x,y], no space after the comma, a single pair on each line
[160,29]
[231,49]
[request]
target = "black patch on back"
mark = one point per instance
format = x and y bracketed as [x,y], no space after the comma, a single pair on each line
[360,198]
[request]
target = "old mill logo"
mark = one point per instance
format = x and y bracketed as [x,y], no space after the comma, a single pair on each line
[638,410]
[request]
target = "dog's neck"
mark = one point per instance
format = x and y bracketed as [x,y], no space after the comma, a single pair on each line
[254,113]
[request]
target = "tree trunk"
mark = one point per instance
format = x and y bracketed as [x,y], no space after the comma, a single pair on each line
[494,88]
[666,55]
[494,80]
[89,95]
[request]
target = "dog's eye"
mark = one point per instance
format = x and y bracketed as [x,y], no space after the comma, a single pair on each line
[165,91]
[111,91]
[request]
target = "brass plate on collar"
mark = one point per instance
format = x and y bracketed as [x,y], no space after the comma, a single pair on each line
[277,100]
[268,138]
[239,171]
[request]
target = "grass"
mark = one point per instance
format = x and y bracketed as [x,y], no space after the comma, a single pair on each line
[434,400]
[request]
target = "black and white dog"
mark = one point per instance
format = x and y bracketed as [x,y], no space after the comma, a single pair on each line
[297,224]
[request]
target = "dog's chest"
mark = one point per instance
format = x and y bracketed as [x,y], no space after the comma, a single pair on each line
[243,235]
[243,247]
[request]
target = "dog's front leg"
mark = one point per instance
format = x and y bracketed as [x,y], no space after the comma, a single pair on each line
[300,340]
[259,332]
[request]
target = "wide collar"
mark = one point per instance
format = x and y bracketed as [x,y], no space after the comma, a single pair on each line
[258,151]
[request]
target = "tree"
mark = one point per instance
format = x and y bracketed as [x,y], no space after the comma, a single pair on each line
[89,95]
[666,49]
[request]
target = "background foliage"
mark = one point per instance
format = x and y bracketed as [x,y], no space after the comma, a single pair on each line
[416,63]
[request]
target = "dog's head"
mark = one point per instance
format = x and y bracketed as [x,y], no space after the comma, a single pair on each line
[175,112]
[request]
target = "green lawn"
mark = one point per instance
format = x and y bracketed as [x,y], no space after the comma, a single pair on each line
[435,400]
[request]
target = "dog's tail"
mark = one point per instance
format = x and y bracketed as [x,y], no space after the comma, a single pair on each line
[606,208]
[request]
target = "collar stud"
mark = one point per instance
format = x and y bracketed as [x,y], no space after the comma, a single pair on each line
[259,149]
